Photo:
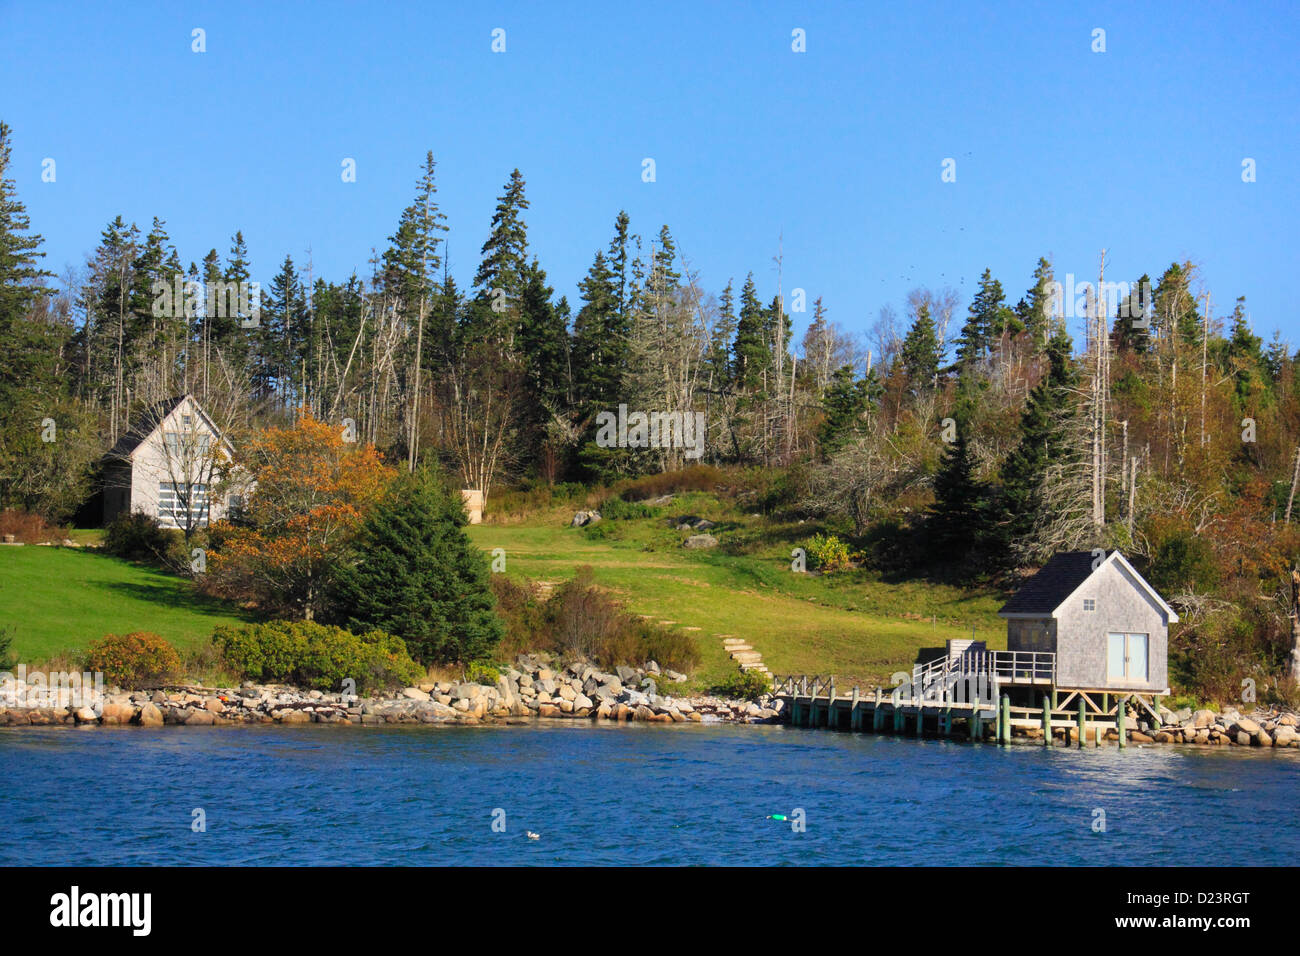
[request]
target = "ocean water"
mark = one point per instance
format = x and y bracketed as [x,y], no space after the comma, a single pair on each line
[628,794]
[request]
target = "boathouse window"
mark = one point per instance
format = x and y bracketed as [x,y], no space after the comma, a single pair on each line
[1089,604]
[1126,656]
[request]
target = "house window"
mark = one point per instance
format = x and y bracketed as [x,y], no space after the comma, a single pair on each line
[181,508]
[1089,604]
[187,422]
[1126,657]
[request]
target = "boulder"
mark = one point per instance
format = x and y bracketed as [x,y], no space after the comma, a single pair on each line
[651,667]
[150,715]
[194,717]
[698,541]
[582,702]
[625,674]
[548,710]
[1246,726]
[415,693]
[1243,739]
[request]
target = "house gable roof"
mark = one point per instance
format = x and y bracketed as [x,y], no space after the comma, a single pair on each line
[148,422]
[1044,593]
[151,420]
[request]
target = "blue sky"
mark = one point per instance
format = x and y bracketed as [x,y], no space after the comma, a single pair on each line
[1059,151]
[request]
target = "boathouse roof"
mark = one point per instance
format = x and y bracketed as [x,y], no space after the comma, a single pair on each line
[1064,574]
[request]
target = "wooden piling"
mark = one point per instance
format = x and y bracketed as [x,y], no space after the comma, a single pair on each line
[1119,722]
[1083,721]
[1047,721]
[855,719]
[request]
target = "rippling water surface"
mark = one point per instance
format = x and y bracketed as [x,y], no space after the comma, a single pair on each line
[639,794]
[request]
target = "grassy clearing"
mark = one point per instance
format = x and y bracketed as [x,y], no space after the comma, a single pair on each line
[852,624]
[55,600]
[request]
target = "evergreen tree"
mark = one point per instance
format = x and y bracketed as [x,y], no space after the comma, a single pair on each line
[415,574]
[1034,311]
[617,257]
[1044,438]
[1246,362]
[717,362]
[988,321]
[543,344]
[1133,319]
[599,343]
[501,272]
[1174,306]
[845,406]
[958,522]
[920,352]
[749,351]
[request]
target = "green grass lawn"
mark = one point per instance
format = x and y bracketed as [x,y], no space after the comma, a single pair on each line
[851,624]
[55,600]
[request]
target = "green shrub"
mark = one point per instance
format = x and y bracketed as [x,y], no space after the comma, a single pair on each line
[582,621]
[133,660]
[616,509]
[307,654]
[744,685]
[482,672]
[7,661]
[137,537]
[690,478]
[827,553]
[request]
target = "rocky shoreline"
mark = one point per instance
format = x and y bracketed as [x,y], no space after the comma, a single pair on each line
[1262,728]
[533,688]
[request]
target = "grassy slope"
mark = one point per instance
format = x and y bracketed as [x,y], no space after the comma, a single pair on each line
[852,624]
[55,600]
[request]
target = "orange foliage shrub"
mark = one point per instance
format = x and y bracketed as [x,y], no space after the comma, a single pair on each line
[313,491]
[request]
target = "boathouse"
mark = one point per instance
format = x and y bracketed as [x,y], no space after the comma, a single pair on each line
[1087,656]
[1106,628]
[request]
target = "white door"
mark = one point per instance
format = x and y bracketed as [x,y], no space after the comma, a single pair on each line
[1126,657]
[1115,656]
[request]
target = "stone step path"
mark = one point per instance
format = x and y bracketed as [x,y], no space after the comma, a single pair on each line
[744,654]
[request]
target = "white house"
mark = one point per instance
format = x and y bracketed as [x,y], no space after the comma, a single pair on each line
[170,466]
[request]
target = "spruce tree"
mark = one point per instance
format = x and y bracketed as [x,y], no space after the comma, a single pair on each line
[599,343]
[844,405]
[749,352]
[1044,437]
[543,344]
[501,272]
[415,574]
[920,352]
[989,318]
[958,523]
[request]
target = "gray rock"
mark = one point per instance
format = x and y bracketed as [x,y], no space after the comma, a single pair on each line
[652,667]
[625,674]
[468,691]
[698,541]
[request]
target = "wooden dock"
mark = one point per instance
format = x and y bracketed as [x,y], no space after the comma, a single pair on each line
[943,710]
